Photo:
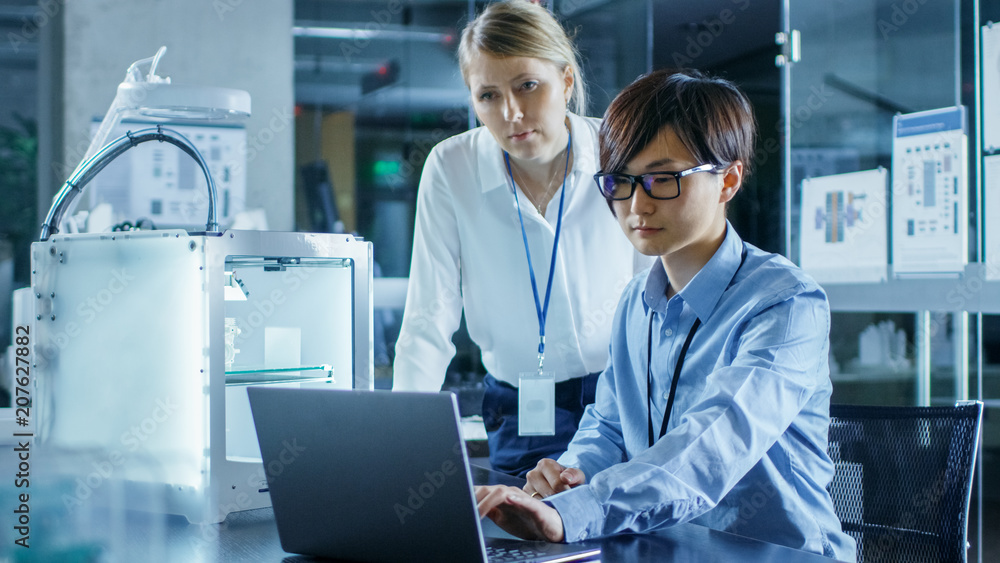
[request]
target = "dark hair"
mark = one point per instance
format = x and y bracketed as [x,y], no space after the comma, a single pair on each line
[712,118]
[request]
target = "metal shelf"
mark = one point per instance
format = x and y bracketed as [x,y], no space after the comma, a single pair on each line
[969,292]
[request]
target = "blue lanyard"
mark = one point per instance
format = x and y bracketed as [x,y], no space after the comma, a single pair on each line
[542,311]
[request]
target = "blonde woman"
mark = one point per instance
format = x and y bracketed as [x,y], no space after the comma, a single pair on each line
[510,229]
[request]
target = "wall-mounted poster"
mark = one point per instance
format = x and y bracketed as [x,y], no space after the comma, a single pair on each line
[991,217]
[160,183]
[991,88]
[843,227]
[929,193]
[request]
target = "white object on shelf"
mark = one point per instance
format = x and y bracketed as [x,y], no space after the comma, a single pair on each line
[158,181]
[843,227]
[472,428]
[883,345]
[991,219]
[930,174]
[991,87]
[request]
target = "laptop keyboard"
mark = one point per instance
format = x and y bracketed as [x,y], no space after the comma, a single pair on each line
[511,555]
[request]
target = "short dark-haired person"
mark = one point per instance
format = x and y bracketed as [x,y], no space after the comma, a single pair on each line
[714,406]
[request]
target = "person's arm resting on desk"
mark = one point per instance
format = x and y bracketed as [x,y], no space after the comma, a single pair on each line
[744,409]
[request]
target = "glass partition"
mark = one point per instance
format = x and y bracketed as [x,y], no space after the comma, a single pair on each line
[858,69]
[862,62]
[858,66]
[377,85]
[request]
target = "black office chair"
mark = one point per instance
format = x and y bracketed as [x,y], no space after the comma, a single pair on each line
[904,478]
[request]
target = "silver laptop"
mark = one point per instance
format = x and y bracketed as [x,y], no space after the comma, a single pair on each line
[378,476]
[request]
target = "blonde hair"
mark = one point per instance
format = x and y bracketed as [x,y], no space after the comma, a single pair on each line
[518,28]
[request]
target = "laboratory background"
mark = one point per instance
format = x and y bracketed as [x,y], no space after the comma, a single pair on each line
[332,106]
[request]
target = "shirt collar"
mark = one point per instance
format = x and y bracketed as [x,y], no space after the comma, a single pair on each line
[493,167]
[705,289]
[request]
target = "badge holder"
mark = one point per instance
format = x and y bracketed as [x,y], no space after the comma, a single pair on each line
[536,395]
[536,404]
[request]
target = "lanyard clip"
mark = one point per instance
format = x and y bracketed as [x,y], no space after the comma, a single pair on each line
[541,353]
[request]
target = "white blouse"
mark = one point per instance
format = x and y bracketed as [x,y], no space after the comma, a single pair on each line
[468,252]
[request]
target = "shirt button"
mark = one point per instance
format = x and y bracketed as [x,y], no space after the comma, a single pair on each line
[666,396]
[668,332]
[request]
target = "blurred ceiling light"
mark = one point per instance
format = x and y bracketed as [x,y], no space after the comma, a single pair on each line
[382,32]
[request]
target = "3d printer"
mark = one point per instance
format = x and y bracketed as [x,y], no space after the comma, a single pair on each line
[145,342]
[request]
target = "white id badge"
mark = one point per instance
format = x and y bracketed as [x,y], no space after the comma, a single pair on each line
[536,404]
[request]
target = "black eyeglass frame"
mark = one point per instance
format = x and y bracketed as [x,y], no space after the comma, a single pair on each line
[640,179]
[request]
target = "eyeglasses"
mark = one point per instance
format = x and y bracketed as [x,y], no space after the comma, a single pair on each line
[658,185]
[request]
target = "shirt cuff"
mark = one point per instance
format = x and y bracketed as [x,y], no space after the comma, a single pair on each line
[581,513]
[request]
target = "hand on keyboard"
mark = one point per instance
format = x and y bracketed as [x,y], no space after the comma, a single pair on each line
[517,513]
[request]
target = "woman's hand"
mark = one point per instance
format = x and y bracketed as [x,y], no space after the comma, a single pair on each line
[518,513]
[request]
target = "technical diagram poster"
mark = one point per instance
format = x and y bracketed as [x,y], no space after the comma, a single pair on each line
[843,227]
[991,220]
[991,88]
[929,193]
[161,183]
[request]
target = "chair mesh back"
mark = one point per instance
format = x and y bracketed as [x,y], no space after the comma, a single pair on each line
[903,479]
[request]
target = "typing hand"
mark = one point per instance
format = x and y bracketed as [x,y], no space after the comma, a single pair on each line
[517,513]
[549,478]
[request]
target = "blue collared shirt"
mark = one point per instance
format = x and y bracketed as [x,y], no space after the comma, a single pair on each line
[745,448]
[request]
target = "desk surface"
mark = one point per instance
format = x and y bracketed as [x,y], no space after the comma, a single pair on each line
[252,536]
